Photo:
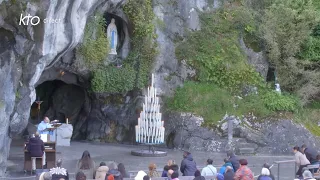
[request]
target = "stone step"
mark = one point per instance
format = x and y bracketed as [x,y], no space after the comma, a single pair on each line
[245,151]
[246,145]
[239,140]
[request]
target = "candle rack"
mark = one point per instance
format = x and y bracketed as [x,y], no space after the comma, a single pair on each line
[150,129]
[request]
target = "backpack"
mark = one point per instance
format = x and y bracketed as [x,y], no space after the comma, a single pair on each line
[109,177]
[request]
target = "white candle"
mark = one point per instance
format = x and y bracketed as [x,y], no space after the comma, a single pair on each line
[136,133]
[152,92]
[143,106]
[145,100]
[155,93]
[162,123]
[153,108]
[160,139]
[139,134]
[158,108]
[152,78]
[67,120]
[163,135]
[156,134]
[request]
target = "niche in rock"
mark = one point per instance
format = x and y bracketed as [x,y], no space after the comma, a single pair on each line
[60,101]
[122,33]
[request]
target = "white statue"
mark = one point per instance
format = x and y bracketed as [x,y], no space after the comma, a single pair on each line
[112,35]
[278,89]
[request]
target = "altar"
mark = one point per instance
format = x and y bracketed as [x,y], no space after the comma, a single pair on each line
[60,133]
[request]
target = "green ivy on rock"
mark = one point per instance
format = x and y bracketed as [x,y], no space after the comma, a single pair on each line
[215,50]
[112,79]
[213,102]
[136,67]
[144,48]
[95,46]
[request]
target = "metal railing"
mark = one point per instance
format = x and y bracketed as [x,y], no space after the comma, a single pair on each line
[283,162]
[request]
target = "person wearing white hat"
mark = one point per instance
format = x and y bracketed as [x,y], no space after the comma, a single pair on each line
[307,175]
[140,175]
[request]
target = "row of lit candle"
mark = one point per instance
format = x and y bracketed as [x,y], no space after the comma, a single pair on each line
[152,116]
[150,123]
[151,107]
[150,128]
[150,135]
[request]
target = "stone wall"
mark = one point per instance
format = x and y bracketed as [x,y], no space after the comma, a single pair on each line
[173,18]
[271,136]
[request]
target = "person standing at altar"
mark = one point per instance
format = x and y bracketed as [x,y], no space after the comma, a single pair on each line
[44,125]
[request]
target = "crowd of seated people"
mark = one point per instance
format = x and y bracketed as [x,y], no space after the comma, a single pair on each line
[232,169]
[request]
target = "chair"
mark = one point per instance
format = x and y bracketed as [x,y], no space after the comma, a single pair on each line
[34,163]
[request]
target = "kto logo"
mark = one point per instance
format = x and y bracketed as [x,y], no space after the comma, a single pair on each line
[35,20]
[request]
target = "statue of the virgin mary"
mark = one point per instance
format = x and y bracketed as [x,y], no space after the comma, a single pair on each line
[112,35]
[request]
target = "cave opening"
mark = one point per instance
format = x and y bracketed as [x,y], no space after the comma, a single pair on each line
[271,76]
[59,101]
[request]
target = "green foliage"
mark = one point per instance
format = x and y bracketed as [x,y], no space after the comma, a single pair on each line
[316,31]
[135,70]
[286,25]
[311,49]
[309,117]
[278,102]
[144,48]
[252,41]
[95,45]
[212,102]
[141,15]
[215,52]
[113,80]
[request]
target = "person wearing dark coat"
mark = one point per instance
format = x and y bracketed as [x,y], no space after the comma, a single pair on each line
[197,176]
[229,174]
[123,172]
[188,165]
[165,171]
[35,146]
[174,167]
[234,160]
[310,153]
[166,168]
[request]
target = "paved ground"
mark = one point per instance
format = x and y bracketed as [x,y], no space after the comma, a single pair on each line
[121,153]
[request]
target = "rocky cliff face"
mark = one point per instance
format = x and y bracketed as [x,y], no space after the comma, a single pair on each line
[31,55]
[27,50]
[174,18]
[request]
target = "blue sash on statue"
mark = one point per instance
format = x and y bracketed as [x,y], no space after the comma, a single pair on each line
[112,39]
